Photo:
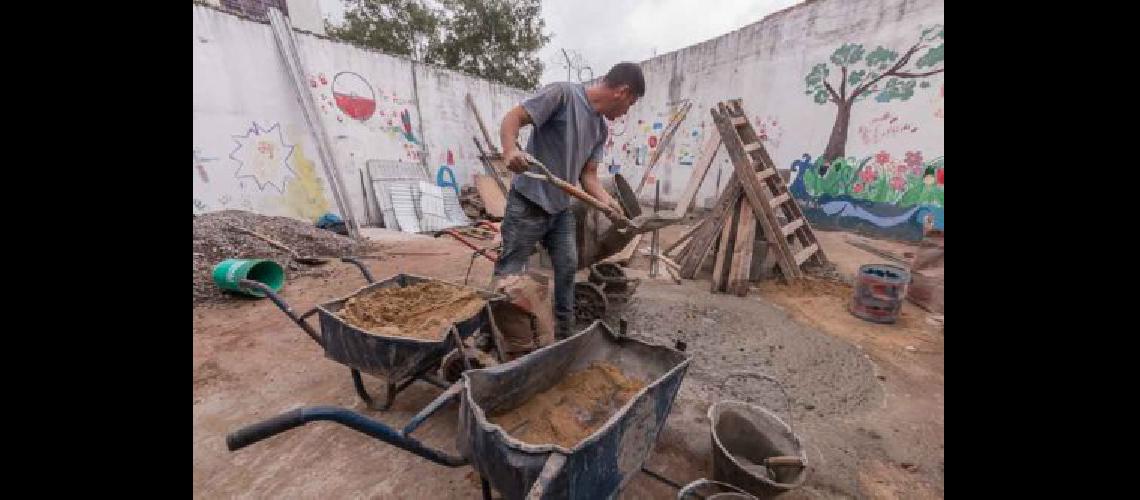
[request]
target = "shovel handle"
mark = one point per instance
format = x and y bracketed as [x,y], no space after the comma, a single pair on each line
[577,192]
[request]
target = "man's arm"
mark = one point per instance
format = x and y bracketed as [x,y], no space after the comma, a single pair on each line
[515,119]
[593,186]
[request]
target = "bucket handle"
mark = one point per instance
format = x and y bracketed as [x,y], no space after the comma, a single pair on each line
[689,489]
[779,385]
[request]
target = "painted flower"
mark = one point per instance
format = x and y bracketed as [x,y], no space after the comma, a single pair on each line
[928,176]
[898,183]
[868,174]
[914,159]
[857,188]
[883,158]
[900,169]
[939,177]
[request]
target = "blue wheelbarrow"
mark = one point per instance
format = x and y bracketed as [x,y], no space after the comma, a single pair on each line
[599,466]
[400,361]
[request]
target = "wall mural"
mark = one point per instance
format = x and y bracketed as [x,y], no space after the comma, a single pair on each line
[351,98]
[262,155]
[886,193]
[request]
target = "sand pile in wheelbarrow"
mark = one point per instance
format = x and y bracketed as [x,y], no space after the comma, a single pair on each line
[215,241]
[419,311]
[573,409]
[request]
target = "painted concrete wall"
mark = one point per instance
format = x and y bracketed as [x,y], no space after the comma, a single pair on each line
[253,149]
[892,177]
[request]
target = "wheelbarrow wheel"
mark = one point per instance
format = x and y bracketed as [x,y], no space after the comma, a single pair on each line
[451,368]
[590,303]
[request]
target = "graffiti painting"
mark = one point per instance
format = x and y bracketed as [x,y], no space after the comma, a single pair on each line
[886,193]
[263,156]
[199,166]
[353,95]
[884,126]
[938,112]
[769,130]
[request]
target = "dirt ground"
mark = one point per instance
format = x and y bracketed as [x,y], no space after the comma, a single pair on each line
[866,399]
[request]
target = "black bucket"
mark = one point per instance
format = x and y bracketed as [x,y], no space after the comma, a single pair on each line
[879,292]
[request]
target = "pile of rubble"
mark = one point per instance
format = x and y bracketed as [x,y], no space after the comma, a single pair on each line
[215,240]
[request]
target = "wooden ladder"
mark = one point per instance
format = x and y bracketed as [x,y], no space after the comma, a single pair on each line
[764,193]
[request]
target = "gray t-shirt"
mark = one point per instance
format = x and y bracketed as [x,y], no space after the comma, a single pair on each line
[567,132]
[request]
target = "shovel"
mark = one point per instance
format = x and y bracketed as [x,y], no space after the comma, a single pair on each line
[640,224]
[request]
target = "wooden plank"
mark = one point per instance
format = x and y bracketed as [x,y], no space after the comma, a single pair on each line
[489,168]
[742,252]
[766,173]
[700,169]
[720,268]
[754,191]
[886,254]
[806,253]
[791,228]
[669,263]
[663,142]
[479,121]
[684,237]
[702,241]
[493,200]
[779,200]
[751,146]
[738,121]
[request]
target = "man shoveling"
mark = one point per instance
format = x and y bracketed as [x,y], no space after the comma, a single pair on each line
[568,137]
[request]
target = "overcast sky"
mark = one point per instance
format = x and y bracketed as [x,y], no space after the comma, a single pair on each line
[606,32]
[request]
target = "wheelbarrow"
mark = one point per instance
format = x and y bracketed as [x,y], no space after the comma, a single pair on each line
[398,360]
[598,466]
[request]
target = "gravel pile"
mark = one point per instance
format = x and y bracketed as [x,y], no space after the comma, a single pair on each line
[215,241]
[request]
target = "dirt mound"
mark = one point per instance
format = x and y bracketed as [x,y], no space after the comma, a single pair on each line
[418,311]
[572,410]
[215,241]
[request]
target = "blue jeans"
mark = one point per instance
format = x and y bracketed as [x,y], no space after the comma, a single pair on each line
[524,224]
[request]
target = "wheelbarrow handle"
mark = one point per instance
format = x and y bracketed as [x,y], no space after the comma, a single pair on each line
[295,418]
[450,394]
[281,304]
[359,265]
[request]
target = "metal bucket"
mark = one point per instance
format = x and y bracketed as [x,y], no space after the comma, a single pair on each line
[879,292]
[743,433]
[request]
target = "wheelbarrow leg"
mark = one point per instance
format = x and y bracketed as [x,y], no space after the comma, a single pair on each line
[363,393]
[486,488]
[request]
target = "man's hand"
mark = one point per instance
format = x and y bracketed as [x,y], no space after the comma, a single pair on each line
[612,203]
[516,161]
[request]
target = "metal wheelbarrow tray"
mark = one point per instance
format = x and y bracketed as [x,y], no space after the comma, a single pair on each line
[596,467]
[398,360]
[599,466]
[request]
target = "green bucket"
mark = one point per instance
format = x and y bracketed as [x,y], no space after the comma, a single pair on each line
[229,273]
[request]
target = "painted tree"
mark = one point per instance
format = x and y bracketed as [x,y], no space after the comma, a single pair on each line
[881,72]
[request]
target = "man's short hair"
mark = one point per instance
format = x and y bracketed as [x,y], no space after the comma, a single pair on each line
[626,73]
